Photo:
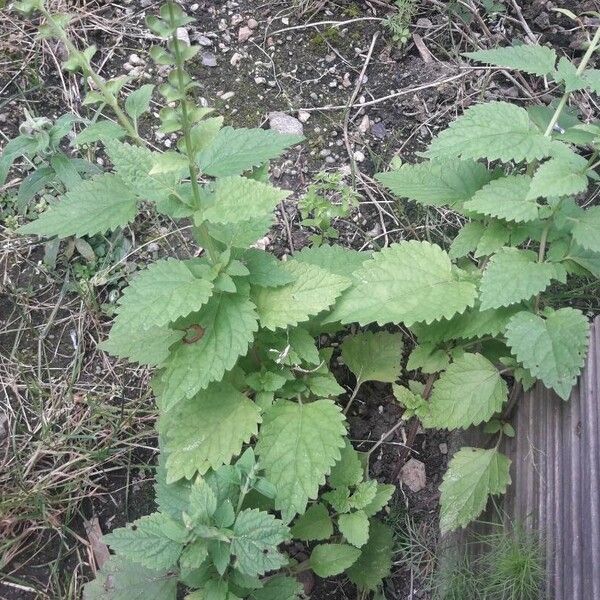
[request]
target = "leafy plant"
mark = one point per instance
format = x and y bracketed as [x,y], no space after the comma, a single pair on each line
[253,444]
[327,198]
[398,23]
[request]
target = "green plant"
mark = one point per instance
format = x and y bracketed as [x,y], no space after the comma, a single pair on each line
[327,198]
[232,333]
[248,430]
[398,23]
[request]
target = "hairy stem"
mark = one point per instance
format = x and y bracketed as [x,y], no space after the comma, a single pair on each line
[205,238]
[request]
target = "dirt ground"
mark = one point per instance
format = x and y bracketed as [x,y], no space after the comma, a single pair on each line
[76,428]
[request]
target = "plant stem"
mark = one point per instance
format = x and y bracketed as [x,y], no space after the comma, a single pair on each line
[582,65]
[88,71]
[205,238]
[353,396]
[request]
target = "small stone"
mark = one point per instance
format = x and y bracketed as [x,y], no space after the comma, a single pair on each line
[127,67]
[379,130]
[303,116]
[346,80]
[285,20]
[259,80]
[183,35]
[227,95]
[244,34]
[209,59]
[283,123]
[413,475]
[252,23]
[236,20]
[325,152]
[359,156]
[195,6]
[443,448]
[262,243]
[329,58]
[134,59]
[364,125]
[204,41]
[235,59]
[424,23]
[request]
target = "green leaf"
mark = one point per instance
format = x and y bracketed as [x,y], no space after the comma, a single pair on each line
[473,323]
[505,198]
[552,348]
[193,556]
[557,177]
[592,77]
[238,198]
[207,430]
[566,72]
[204,133]
[202,502]
[95,206]
[265,269]
[383,495]
[228,323]
[534,59]
[120,579]
[327,560]
[145,346]
[169,162]
[494,130]
[279,588]
[256,535]
[171,499]
[335,259]
[495,236]
[314,524]
[155,541]
[514,275]
[234,151]
[312,291]
[354,527]
[469,392]
[375,561]
[374,356]
[405,283]
[466,240]
[297,446]
[138,102]
[166,290]
[586,229]
[348,470]
[133,164]
[324,385]
[364,494]
[427,358]
[99,131]
[437,184]
[414,405]
[472,476]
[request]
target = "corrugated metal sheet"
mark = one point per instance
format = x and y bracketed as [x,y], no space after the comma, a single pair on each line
[556,479]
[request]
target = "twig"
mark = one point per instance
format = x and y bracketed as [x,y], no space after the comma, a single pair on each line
[530,34]
[319,23]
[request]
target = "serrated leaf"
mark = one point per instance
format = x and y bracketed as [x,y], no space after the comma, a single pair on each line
[557,177]
[324,385]
[405,283]
[514,275]
[133,165]
[473,323]
[279,588]
[534,59]
[428,358]
[238,199]
[234,151]
[592,77]
[505,198]
[207,430]
[314,524]
[256,535]
[472,476]
[297,446]
[193,556]
[204,133]
[99,131]
[495,236]
[265,269]
[227,323]
[470,391]
[364,494]
[327,560]
[171,499]
[494,130]
[566,72]
[202,502]
[169,162]
[145,346]
[466,240]
[155,541]
[437,183]
[120,579]
[375,561]
[312,291]
[335,259]
[138,102]
[94,206]
[354,527]
[348,470]
[383,495]
[163,292]
[374,356]
[586,231]
[552,348]
[244,233]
